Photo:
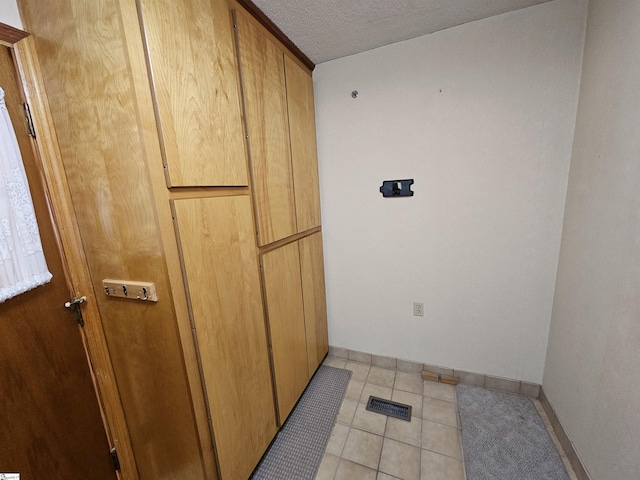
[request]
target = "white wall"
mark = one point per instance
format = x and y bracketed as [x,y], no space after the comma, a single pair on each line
[592,374]
[482,117]
[9,13]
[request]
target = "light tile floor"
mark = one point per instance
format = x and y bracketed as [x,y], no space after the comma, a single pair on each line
[370,446]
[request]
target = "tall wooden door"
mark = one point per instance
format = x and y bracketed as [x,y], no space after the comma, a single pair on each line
[50,421]
[217,242]
[195,83]
[262,72]
[314,294]
[304,148]
[283,289]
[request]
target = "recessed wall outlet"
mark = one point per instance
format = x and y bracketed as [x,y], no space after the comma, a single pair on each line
[418,309]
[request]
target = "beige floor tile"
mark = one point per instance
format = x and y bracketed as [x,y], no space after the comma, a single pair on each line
[381,376]
[375,390]
[440,411]
[386,476]
[359,371]
[369,421]
[403,431]
[337,439]
[363,448]
[328,467]
[335,362]
[408,382]
[347,411]
[354,390]
[371,446]
[440,390]
[441,439]
[352,471]
[409,398]
[440,467]
[400,460]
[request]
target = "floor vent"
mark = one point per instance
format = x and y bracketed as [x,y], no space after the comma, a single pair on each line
[387,407]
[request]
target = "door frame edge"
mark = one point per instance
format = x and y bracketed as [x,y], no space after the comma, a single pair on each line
[54,180]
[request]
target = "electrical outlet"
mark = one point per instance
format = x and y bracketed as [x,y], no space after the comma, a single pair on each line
[418,309]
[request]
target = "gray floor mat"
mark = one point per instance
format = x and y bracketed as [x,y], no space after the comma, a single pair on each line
[299,446]
[504,438]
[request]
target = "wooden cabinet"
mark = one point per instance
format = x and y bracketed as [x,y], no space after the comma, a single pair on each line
[315,305]
[194,78]
[218,251]
[146,101]
[304,157]
[283,290]
[294,287]
[280,121]
[278,99]
[265,100]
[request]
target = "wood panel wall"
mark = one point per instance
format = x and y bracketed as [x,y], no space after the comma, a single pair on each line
[115,140]
[90,81]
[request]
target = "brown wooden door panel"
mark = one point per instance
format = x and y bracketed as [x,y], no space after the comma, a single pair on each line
[283,288]
[315,304]
[195,81]
[50,422]
[216,237]
[304,156]
[86,57]
[262,64]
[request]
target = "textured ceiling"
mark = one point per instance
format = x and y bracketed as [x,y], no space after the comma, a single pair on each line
[328,29]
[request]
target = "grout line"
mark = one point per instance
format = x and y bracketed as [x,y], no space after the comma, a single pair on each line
[421,419]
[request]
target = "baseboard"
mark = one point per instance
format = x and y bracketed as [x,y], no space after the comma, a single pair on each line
[567,445]
[470,378]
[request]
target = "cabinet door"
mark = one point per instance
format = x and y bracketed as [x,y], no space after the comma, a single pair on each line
[195,81]
[222,277]
[281,272]
[304,156]
[315,305]
[262,64]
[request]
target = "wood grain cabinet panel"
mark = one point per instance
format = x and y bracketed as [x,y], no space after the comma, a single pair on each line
[216,238]
[130,83]
[304,156]
[283,289]
[262,68]
[280,116]
[315,305]
[293,279]
[90,82]
[195,81]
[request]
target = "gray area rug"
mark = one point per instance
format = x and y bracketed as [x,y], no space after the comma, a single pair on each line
[504,438]
[299,446]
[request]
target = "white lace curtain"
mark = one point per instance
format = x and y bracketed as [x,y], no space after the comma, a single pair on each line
[22,262]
